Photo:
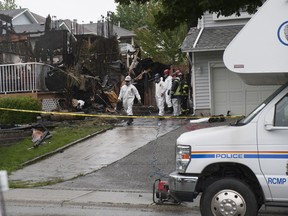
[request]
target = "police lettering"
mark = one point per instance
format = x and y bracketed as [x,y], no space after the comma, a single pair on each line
[229,155]
[276,180]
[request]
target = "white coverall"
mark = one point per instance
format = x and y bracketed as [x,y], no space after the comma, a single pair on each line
[127,95]
[168,86]
[160,96]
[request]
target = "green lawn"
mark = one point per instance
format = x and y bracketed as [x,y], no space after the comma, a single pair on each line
[12,157]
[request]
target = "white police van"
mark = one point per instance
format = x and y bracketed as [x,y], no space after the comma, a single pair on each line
[240,167]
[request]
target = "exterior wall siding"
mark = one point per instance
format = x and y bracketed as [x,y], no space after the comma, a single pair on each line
[21,20]
[211,20]
[201,82]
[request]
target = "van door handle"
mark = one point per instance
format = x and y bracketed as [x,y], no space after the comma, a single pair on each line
[269,127]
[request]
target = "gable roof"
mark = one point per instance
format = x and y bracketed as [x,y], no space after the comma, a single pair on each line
[209,39]
[14,13]
[92,28]
[30,28]
[38,22]
[121,32]
[40,19]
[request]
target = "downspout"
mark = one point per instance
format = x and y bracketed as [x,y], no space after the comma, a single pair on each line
[200,33]
[193,82]
[193,61]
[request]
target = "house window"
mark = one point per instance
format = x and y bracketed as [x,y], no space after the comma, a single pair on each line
[281,112]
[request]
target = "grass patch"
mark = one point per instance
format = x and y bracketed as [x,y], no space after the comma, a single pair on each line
[23,184]
[12,157]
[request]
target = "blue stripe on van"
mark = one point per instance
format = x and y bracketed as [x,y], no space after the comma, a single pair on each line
[248,156]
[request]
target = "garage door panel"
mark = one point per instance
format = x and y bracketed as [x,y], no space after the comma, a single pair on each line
[251,96]
[236,109]
[233,82]
[220,108]
[220,97]
[229,92]
[235,97]
[266,93]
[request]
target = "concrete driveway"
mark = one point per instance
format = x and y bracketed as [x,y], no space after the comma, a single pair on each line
[96,152]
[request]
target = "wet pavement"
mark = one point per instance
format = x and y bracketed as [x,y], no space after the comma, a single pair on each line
[88,156]
[99,151]
[96,152]
[132,158]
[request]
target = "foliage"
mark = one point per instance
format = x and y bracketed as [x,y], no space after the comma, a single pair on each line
[161,46]
[130,16]
[175,12]
[7,5]
[26,103]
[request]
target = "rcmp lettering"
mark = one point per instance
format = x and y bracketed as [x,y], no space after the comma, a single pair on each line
[229,155]
[276,181]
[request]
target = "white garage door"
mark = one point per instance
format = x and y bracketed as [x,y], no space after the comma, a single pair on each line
[229,92]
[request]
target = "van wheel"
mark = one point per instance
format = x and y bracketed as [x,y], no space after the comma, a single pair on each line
[228,197]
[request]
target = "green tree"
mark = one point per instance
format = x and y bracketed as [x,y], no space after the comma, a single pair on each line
[7,5]
[162,46]
[175,12]
[130,16]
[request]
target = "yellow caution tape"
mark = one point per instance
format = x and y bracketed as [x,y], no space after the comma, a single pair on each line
[115,116]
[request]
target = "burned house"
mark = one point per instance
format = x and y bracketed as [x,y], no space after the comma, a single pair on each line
[61,60]
[54,59]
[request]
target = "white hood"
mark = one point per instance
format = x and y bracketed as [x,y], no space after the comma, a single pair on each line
[220,135]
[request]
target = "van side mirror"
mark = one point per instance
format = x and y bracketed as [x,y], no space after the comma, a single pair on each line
[269,120]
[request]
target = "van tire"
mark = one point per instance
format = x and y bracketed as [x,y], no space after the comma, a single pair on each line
[228,195]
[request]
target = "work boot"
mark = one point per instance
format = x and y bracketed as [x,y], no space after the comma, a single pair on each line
[170,110]
[130,121]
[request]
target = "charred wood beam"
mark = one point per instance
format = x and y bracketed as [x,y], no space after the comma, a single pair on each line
[13,38]
[6,18]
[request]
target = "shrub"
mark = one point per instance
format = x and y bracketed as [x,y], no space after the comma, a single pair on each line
[21,103]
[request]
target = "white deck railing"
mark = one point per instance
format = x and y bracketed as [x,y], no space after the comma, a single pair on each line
[23,77]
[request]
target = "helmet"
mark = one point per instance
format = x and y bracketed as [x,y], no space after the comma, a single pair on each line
[157,76]
[128,78]
[166,71]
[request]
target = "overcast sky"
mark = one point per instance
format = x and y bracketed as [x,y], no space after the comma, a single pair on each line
[82,10]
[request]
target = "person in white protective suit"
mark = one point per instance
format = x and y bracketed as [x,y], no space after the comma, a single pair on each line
[127,94]
[168,86]
[160,93]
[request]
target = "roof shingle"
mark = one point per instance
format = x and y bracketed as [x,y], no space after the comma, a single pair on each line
[212,38]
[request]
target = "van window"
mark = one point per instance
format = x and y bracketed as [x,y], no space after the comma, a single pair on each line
[281,112]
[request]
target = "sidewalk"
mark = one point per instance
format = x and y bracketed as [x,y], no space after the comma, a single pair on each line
[76,197]
[83,198]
